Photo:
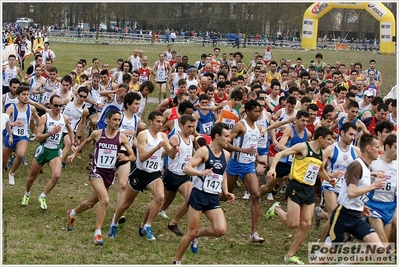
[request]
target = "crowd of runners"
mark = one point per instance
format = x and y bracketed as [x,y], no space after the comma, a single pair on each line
[309,131]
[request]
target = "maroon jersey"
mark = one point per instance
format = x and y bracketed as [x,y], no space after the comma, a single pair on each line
[106,151]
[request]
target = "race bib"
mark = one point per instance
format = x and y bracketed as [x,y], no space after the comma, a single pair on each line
[230,123]
[206,127]
[311,174]
[143,78]
[213,183]
[106,158]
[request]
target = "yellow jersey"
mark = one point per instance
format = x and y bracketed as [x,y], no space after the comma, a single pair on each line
[305,170]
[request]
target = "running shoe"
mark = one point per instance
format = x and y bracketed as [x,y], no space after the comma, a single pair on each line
[10,162]
[32,137]
[98,240]
[147,231]
[270,212]
[255,238]
[71,220]
[63,165]
[162,213]
[25,200]
[11,180]
[293,259]
[282,190]
[42,202]
[270,197]
[317,218]
[122,219]
[140,229]
[24,161]
[112,231]
[174,229]
[246,195]
[194,245]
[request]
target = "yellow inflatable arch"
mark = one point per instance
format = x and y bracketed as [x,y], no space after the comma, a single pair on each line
[376,9]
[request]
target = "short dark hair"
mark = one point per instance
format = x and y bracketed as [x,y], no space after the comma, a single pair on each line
[251,104]
[366,140]
[236,94]
[154,114]
[22,87]
[390,140]
[129,99]
[302,113]
[381,125]
[218,129]
[353,104]
[111,112]
[313,107]
[83,89]
[291,100]
[322,131]
[185,105]
[147,84]
[347,125]
[185,118]
[382,106]
[54,96]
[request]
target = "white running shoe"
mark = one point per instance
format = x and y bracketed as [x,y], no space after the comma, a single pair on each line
[270,196]
[246,195]
[163,214]
[255,238]
[11,180]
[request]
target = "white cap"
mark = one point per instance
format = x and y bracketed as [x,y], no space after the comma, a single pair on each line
[368,93]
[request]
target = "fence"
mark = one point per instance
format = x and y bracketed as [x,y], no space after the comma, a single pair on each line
[121,38]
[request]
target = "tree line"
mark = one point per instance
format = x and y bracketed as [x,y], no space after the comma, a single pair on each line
[264,18]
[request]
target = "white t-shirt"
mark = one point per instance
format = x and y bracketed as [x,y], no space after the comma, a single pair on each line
[4,120]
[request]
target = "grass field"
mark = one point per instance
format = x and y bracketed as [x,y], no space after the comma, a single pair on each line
[33,236]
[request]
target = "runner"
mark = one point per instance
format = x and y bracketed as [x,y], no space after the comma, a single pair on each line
[208,169]
[347,216]
[152,145]
[102,173]
[174,179]
[17,137]
[245,135]
[49,133]
[306,167]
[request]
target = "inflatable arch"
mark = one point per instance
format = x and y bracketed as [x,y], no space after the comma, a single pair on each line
[376,9]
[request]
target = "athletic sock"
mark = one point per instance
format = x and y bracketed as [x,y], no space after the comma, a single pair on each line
[97,232]
[146,225]
[112,222]
[73,213]
[27,194]
[43,195]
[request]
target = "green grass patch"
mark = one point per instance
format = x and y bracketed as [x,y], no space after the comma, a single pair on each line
[33,236]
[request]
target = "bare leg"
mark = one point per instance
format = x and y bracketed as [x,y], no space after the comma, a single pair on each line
[55,166]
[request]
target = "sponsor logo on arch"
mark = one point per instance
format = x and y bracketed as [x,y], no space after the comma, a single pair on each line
[376,9]
[319,7]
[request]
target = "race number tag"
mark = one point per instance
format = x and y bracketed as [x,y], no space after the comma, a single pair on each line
[213,183]
[230,123]
[45,96]
[152,164]
[106,158]
[207,127]
[143,79]
[311,174]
